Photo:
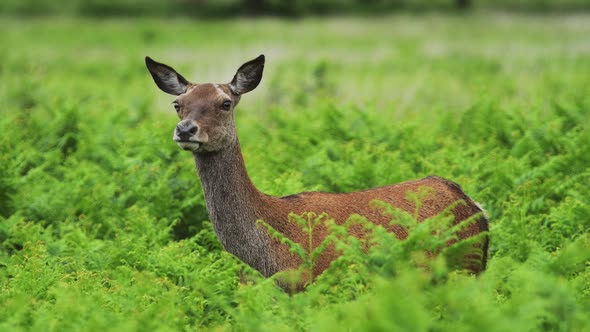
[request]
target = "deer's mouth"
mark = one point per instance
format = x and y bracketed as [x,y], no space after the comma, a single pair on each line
[189,145]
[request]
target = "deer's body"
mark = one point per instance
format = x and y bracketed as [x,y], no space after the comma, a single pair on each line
[207,129]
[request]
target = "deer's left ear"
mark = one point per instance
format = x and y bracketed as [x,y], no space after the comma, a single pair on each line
[248,76]
[166,78]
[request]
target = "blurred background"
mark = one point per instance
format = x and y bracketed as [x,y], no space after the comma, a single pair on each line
[232,8]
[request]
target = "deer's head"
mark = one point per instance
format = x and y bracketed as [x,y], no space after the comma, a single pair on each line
[206,110]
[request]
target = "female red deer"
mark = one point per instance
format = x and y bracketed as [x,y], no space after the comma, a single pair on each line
[207,129]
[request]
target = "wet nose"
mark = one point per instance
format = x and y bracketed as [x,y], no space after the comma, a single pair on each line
[186,129]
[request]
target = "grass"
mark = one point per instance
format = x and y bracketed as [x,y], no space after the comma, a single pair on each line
[102,219]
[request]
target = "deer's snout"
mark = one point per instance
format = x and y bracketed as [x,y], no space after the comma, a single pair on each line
[186,129]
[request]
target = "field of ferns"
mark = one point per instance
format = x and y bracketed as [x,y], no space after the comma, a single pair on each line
[103,224]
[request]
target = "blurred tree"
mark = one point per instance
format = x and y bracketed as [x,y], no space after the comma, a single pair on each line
[254,6]
[463,3]
[287,8]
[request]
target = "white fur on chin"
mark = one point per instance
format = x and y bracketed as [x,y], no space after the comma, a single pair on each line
[190,146]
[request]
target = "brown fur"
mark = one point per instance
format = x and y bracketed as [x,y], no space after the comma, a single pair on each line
[341,206]
[234,203]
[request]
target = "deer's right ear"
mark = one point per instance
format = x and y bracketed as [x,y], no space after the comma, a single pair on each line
[166,78]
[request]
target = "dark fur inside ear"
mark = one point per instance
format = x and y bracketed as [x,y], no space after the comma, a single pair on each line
[166,78]
[248,76]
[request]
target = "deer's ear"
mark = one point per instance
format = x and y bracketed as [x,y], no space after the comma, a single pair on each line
[248,76]
[166,78]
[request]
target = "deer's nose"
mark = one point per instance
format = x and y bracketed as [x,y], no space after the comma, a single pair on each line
[186,129]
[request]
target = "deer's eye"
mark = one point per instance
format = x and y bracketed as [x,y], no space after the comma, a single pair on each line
[226,105]
[176,106]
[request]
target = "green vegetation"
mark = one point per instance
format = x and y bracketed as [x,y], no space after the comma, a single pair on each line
[102,219]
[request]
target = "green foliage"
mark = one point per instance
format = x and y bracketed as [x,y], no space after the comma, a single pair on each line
[103,224]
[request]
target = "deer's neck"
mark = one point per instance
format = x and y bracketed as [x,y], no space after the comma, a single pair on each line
[234,205]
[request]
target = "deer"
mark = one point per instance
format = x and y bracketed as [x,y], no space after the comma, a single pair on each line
[207,129]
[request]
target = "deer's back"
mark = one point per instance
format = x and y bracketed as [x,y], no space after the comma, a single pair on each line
[339,207]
